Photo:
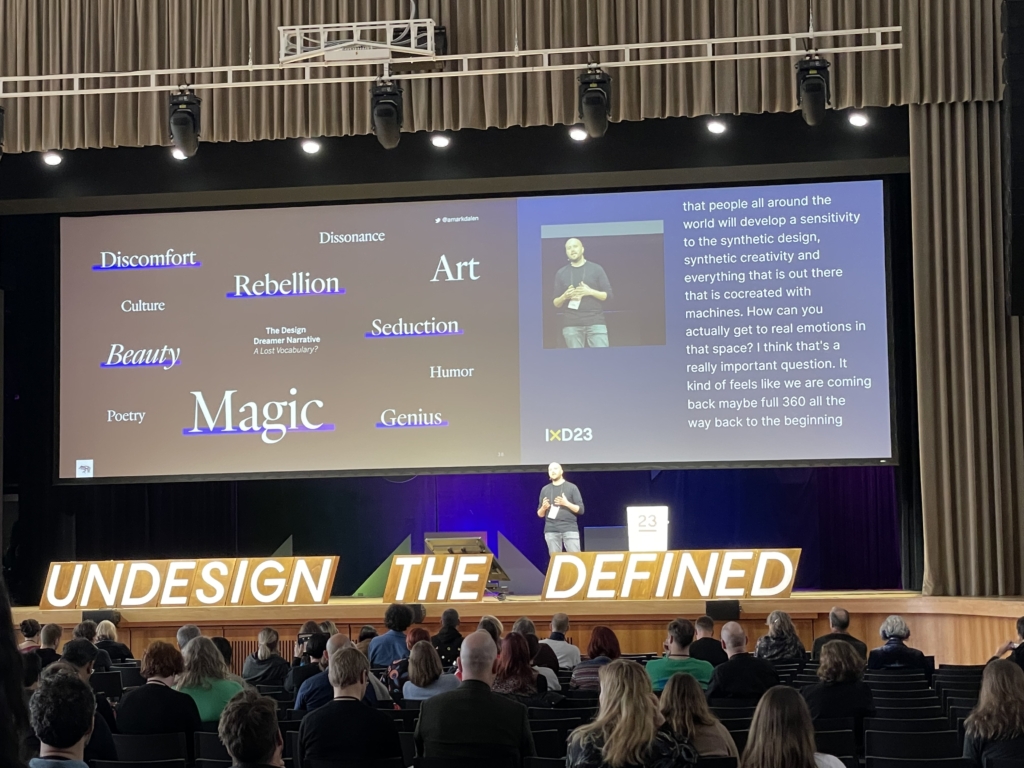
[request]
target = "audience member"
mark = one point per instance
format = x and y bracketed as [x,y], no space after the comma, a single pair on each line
[544,656]
[205,678]
[494,628]
[842,691]
[31,668]
[782,734]
[63,714]
[99,746]
[224,646]
[549,672]
[628,730]
[249,731]
[14,719]
[472,721]
[317,690]
[781,643]
[106,640]
[391,645]
[448,640]
[313,651]
[30,629]
[514,675]
[706,647]
[688,717]
[156,707]
[677,657]
[896,654]
[366,635]
[603,649]
[266,666]
[87,631]
[1014,647]
[49,639]
[186,633]
[398,671]
[300,655]
[426,674]
[329,628]
[568,655]
[524,626]
[995,729]
[839,623]
[346,729]
[743,676]
[82,655]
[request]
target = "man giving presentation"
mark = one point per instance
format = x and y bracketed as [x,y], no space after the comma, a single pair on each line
[560,504]
[581,288]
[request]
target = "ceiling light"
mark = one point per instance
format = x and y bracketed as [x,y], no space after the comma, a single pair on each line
[595,101]
[440,141]
[716,126]
[177,154]
[858,119]
[813,90]
[51,158]
[576,133]
[310,147]
[183,121]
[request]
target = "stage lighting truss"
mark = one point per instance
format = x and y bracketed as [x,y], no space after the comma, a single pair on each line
[412,49]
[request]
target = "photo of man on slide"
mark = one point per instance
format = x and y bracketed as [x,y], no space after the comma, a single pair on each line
[581,287]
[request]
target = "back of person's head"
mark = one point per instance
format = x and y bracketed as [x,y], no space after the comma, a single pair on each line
[328,627]
[418,613]
[424,664]
[560,623]
[1020,627]
[31,665]
[681,631]
[684,705]
[450,618]
[203,663]
[223,645]
[50,635]
[267,640]
[62,708]
[840,663]
[161,660]
[79,652]
[705,624]
[367,633]
[347,666]
[514,659]
[186,633]
[780,625]
[603,642]
[86,631]
[626,724]
[316,645]
[398,617]
[337,642]
[999,714]
[477,656]
[524,626]
[29,628]
[733,636]
[248,728]
[414,635]
[491,626]
[781,733]
[308,628]
[894,628]
[106,630]
[839,618]
[493,620]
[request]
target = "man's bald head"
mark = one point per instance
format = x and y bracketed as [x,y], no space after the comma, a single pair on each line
[477,657]
[337,642]
[573,249]
[734,638]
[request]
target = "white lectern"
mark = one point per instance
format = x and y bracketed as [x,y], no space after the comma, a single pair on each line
[648,529]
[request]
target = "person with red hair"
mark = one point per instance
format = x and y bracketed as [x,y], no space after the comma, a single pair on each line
[398,671]
[515,675]
[603,649]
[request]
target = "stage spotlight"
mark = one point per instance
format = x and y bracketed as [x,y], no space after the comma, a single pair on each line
[1,133]
[177,154]
[813,90]
[577,133]
[858,119]
[386,111]
[595,102]
[440,141]
[310,147]
[52,158]
[716,126]
[184,122]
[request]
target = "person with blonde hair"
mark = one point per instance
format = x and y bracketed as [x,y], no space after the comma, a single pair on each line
[781,643]
[328,627]
[842,692]
[687,716]
[627,731]
[266,666]
[106,640]
[782,735]
[995,729]
[206,678]
[426,674]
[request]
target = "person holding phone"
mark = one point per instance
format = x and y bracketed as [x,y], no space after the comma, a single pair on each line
[560,504]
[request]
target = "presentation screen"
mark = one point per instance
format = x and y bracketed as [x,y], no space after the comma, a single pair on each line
[737,325]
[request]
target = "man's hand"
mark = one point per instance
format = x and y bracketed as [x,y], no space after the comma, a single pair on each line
[300,648]
[561,501]
[544,507]
[584,290]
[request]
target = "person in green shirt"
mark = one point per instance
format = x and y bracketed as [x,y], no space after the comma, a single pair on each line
[677,658]
[207,678]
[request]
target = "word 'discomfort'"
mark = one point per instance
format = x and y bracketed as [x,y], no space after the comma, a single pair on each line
[209,582]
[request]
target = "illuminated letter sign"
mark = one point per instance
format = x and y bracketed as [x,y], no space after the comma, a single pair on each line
[437,578]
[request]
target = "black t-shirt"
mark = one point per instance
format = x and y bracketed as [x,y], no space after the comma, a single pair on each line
[155,708]
[348,730]
[591,310]
[564,520]
[710,650]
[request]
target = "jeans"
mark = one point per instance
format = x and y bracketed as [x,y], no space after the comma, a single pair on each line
[556,540]
[579,336]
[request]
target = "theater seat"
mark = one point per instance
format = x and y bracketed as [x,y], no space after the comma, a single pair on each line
[137,764]
[210,747]
[496,760]
[895,762]
[549,744]
[548,762]
[911,746]
[717,762]
[157,746]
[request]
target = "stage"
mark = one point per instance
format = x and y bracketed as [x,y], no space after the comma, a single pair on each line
[956,630]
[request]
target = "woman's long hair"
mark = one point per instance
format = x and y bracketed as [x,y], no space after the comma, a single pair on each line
[203,663]
[780,625]
[514,661]
[424,664]
[268,643]
[13,715]
[684,705]
[1000,711]
[840,663]
[625,726]
[781,733]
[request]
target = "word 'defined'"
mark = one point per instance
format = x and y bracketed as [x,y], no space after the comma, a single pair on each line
[200,582]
